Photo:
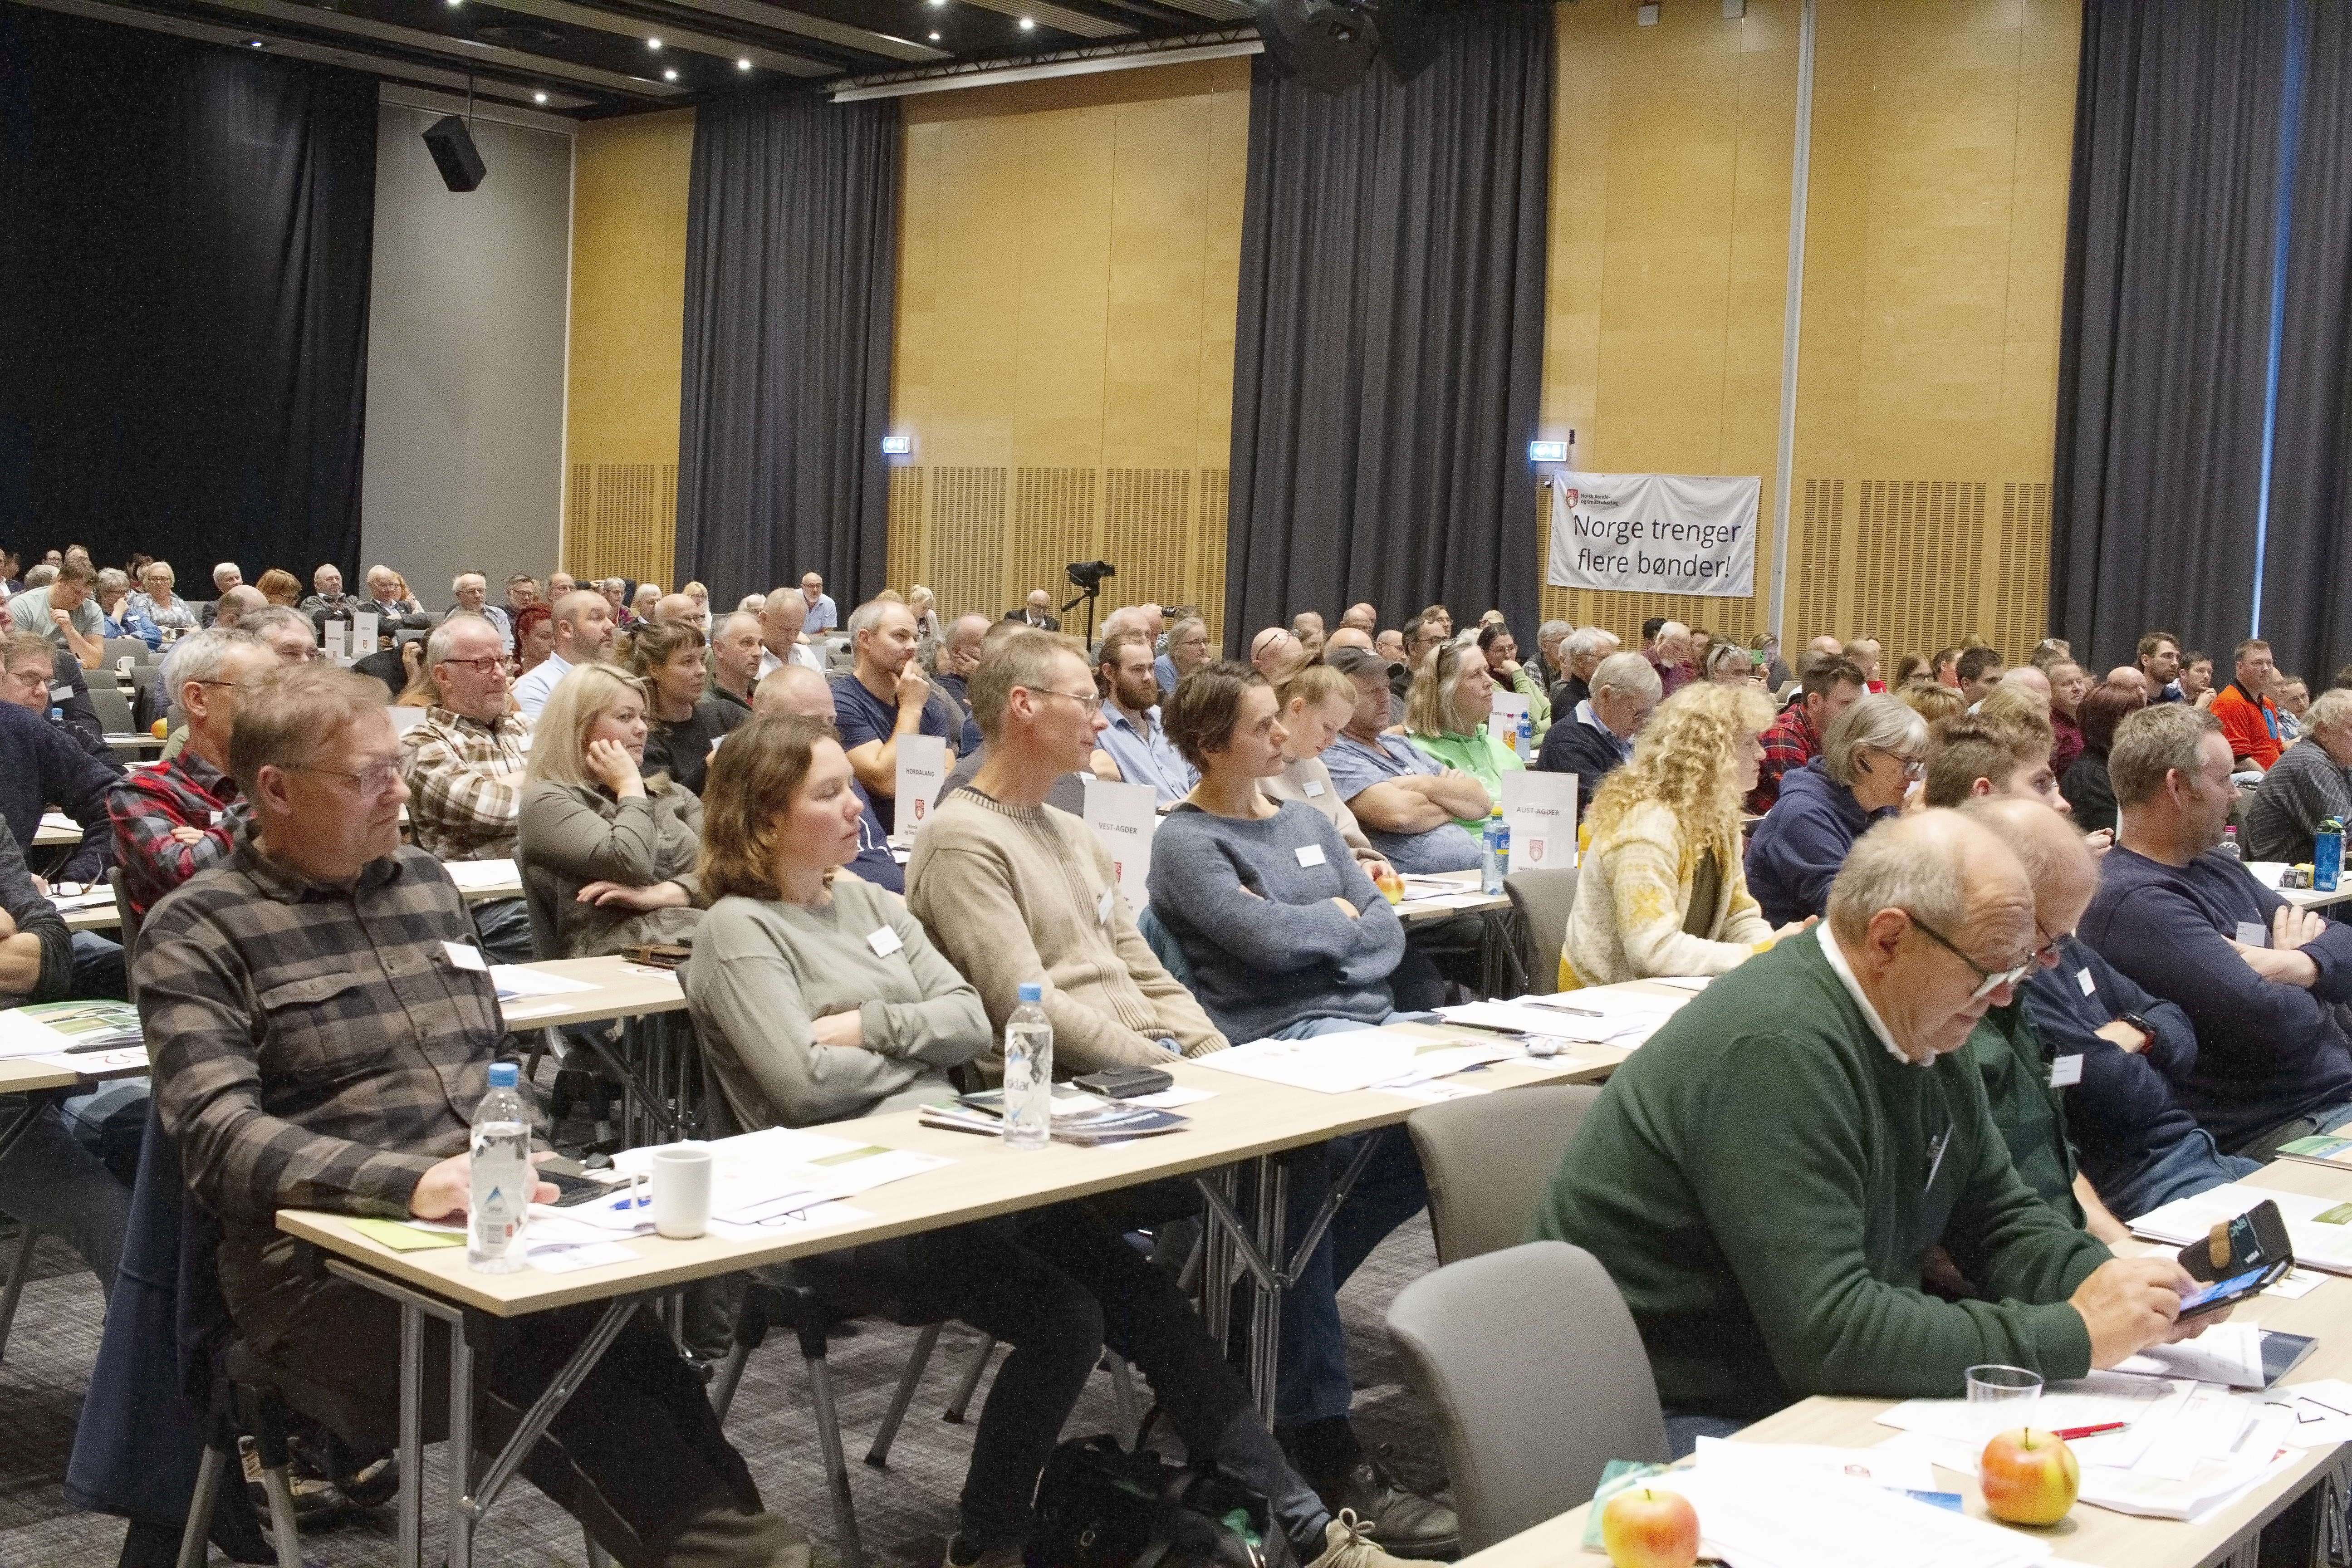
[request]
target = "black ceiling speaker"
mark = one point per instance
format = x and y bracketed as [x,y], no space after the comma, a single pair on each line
[1323,43]
[453,153]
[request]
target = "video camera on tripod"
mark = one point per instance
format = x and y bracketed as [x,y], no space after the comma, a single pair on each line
[1088,576]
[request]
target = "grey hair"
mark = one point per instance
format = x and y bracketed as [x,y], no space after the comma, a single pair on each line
[2152,743]
[1546,632]
[718,627]
[260,621]
[1882,721]
[39,576]
[444,636]
[2331,710]
[1589,642]
[1178,629]
[865,617]
[1628,674]
[463,576]
[1885,869]
[199,656]
[112,577]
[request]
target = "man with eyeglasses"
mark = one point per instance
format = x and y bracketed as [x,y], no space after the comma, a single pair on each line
[463,763]
[1766,1179]
[319,1045]
[173,820]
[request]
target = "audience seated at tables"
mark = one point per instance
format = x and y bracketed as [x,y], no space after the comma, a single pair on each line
[885,695]
[1581,652]
[64,611]
[47,768]
[156,602]
[1873,753]
[2258,978]
[173,820]
[1446,711]
[1409,805]
[1501,651]
[1829,685]
[2311,781]
[584,629]
[41,677]
[48,1181]
[1593,737]
[1188,650]
[795,688]
[819,999]
[782,615]
[352,1093]
[1766,1178]
[2085,785]
[2003,748]
[2291,694]
[667,657]
[609,848]
[113,588]
[818,606]
[463,763]
[2249,718]
[1316,704]
[1662,890]
[1667,646]
[327,595]
[288,632]
[2068,687]
[735,658]
[471,594]
[1135,747]
[279,586]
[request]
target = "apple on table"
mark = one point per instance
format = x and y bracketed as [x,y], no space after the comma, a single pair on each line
[1650,1526]
[2028,1477]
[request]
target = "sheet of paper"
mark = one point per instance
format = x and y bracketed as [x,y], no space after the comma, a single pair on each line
[58,822]
[1124,817]
[1173,1099]
[1434,1092]
[402,1236]
[94,898]
[759,1179]
[2267,872]
[117,1063]
[816,1217]
[1418,888]
[1681,981]
[1443,1058]
[922,769]
[2312,1414]
[2297,1282]
[521,980]
[2226,1353]
[1894,1469]
[1793,1518]
[564,1257]
[1329,1064]
[1541,810]
[2319,1228]
[55,1028]
[471,876]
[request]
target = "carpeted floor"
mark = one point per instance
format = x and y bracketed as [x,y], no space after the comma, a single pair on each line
[904,1513]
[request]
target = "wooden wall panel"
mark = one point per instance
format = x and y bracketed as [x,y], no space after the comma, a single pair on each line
[621,519]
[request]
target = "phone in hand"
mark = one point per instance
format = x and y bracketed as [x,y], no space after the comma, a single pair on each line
[2223,1293]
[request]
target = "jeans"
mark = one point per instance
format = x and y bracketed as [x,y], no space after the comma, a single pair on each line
[98,974]
[2191,1165]
[503,925]
[53,1185]
[1313,1384]
[2264,1146]
[1057,1285]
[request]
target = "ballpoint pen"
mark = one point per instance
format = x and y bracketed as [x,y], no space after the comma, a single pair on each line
[2071,1433]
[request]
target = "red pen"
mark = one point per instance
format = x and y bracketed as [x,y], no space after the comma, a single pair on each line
[2073,1432]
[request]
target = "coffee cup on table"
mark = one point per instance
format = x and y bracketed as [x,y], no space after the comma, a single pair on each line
[681,1177]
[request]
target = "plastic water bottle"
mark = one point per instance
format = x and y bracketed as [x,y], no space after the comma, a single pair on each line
[1029,1071]
[2229,843]
[2328,856]
[1494,853]
[1527,744]
[502,1175]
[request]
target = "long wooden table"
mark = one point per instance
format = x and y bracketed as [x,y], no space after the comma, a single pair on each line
[107,917]
[2089,1534]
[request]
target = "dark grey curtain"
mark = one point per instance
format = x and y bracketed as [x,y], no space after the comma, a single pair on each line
[2307,579]
[1389,342]
[185,238]
[2163,353]
[790,274]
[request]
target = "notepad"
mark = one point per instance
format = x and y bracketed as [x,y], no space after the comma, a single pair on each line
[402,1236]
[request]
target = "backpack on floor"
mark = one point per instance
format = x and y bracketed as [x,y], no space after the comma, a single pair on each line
[1099,1506]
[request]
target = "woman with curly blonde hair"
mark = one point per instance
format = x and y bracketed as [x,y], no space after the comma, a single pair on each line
[1661,891]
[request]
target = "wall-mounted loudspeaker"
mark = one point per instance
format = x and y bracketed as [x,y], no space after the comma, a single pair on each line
[1330,45]
[453,153]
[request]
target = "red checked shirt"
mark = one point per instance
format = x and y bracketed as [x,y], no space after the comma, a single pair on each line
[145,807]
[1788,745]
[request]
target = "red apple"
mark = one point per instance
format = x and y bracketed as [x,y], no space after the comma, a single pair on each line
[1645,1528]
[2028,1477]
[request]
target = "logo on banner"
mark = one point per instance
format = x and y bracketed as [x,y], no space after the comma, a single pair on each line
[1569,496]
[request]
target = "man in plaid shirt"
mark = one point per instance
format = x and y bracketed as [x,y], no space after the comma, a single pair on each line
[173,820]
[316,1044]
[464,766]
[1831,684]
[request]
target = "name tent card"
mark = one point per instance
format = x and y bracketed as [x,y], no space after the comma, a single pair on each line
[1541,810]
[922,769]
[1124,817]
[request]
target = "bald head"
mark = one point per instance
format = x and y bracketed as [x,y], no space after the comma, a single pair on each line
[677,607]
[780,617]
[2129,674]
[1348,637]
[236,604]
[794,689]
[2057,862]
[2030,677]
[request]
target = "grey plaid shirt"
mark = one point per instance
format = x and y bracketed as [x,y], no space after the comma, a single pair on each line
[314,1046]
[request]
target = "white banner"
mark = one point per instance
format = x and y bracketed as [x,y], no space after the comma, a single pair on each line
[1653,533]
[1124,817]
[922,769]
[1541,809]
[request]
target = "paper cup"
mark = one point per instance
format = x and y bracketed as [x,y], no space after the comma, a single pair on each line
[682,1190]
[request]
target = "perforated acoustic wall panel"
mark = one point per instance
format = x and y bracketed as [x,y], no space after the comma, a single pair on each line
[2021,610]
[621,519]
[955,530]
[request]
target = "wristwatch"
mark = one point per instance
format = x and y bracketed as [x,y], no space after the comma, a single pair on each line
[2142,1024]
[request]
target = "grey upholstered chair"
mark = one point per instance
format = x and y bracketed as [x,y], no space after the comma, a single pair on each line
[1488,1160]
[1536,1377]
[1542,899]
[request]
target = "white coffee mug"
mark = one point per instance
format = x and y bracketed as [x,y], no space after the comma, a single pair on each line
[682,1190]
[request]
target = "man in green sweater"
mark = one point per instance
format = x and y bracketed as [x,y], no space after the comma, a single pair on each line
[1765,1178]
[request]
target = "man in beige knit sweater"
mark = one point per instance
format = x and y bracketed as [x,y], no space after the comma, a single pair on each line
[999,879]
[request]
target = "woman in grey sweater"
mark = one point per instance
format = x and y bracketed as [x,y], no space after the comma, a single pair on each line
[608,854]
[819,999]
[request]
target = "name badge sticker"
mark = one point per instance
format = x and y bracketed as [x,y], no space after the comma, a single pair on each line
[1314,788]
[2066,1071]
[465,957]
[2087,982]
[1103,905]
[1309,854]
[2253,934]
[884,941]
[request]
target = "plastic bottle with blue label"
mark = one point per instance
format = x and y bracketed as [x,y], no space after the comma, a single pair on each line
[1494,853]
[2328,856]
[1527,744]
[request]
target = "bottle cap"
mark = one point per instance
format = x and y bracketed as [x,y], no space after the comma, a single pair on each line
[502,1075]
[1033,990]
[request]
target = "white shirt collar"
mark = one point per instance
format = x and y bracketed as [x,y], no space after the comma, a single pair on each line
[1844,972]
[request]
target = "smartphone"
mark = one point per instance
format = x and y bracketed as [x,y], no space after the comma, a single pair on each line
[2231,1291]
[577,1190]
[1125,1083]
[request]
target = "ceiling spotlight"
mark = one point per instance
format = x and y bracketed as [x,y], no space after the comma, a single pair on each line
[938,2]
[539,98]
[670,75]
[1026,24]
[654,44]
[935,38]
[742,65]
[253,42]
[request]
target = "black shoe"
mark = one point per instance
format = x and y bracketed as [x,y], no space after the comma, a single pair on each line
[1400,1522]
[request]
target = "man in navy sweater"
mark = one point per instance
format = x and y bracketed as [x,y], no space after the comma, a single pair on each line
[2255,976]
[46,767]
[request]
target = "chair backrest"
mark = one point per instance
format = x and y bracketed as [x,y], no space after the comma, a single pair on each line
[117,649]
[131,921]
[1489,1159]
[1164,947]
[1536,1377]
[113,706]
[1543,899]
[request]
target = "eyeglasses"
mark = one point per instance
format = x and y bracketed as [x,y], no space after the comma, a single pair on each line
[1913,767]
[374,780]
[483,666]
[1987,980]
[2051,946]
[1093,705]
